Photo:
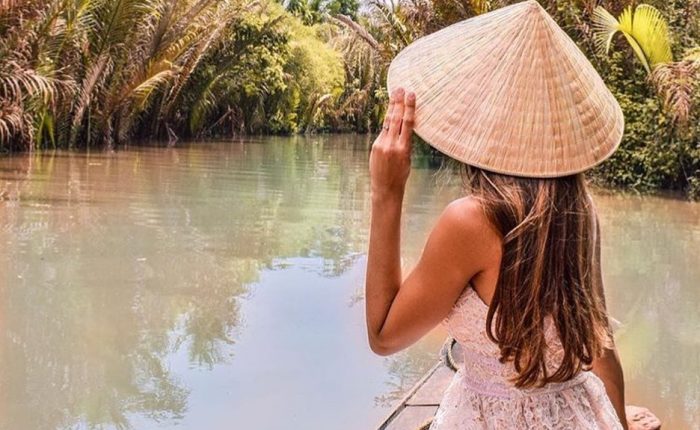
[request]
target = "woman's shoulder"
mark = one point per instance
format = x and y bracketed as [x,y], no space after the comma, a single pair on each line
[467,233]
[467,216]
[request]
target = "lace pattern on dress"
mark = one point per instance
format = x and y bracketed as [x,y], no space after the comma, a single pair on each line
[481,395]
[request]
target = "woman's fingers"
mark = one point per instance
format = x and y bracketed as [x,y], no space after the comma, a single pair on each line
[397,114]
[389,113]
[409,120]
[400,118]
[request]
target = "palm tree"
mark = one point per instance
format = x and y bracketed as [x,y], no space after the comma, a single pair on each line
[27,88]
[89,70]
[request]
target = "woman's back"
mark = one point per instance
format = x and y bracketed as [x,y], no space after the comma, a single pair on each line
[483,396]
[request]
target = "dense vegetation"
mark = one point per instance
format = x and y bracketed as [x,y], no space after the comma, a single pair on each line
[94,73]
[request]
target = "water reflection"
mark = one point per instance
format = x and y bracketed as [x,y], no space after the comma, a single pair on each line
[205,285]
[407,367]
[651,259]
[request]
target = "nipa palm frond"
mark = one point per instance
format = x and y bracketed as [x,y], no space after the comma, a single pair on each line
[204,104]
[156,75]
[358,30]
[196,54]
[21,83]
[14,122]
[95,75]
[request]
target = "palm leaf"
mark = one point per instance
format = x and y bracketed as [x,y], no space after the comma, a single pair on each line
[192,46]
[650,30]
[677,84]
[203,104]
[644,28]
[605,26]
[6,5]
[14,121]
[94,75]
[20,83]
[157,75]
[627,27]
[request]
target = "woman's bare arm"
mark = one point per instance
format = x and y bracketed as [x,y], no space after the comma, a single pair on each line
[608,367]
[609,370]
[399,312]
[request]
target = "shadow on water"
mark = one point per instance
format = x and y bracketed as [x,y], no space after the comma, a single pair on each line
[154,286]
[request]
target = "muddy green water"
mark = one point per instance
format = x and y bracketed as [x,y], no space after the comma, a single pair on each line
[219,286]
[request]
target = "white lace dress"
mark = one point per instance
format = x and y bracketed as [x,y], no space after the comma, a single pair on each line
[481,397]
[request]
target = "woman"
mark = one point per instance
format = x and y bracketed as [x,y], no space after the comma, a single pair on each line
[468,247]
[513,269]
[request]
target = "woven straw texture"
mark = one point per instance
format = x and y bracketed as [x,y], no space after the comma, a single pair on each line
[510,92]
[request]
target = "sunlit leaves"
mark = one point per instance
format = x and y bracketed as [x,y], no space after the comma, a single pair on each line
[644,28]
[84,71]
[646,31]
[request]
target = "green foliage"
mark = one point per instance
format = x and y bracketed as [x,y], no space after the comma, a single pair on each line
[96,72]
[313,11]
[227,93]
[345,7]
[270,74]
[318,75]
[661,148]
[643,159]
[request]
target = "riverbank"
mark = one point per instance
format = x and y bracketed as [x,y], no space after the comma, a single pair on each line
[424,156]
[97,74]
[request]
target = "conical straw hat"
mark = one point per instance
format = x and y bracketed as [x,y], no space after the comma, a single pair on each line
[510,92]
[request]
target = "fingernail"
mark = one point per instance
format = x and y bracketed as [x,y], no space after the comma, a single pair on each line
[412,96]
[399,92]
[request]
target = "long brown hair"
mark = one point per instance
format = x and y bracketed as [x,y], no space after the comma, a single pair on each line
[549,268]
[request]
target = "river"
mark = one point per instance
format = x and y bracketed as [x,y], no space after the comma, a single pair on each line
[218,285]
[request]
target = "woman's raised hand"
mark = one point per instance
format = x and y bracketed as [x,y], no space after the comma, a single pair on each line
[390,159]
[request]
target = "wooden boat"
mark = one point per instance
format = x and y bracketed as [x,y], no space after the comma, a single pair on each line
[416,409]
